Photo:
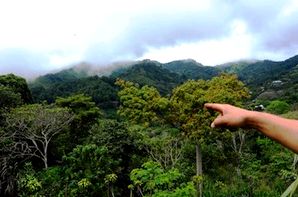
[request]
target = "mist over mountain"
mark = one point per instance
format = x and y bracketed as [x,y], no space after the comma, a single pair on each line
[103,94]
[259,76]
[188,68]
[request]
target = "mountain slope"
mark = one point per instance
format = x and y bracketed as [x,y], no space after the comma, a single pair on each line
[266,79]
[190,69]
[101,89]
[61,76]
[259,72]
[271,79]
[150,73]
[235,67]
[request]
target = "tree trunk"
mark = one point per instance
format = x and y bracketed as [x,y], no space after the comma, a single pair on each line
[199,169]
[112,191]
[140,191]
[108,191]
[46,152]
[45,160]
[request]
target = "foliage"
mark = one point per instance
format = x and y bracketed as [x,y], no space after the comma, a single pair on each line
[52,181]
[115,136]
[261,76]
[291,189]
[235,67]
[262,71]
[291,115]
[187,102]
[190,69]
[32,127]
[163,145]
[85,115]
[161,123]
[184,109]
[18,85]
[151,73]
[112,134]
[64,75]
[9,98]
[85,169]
[14,92]
[278,107]
[101,89]
[153,180]
[140,105]
[28,183]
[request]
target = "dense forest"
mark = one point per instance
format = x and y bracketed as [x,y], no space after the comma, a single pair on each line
[143,131]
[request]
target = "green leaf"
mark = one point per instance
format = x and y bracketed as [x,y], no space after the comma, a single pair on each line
[291,189]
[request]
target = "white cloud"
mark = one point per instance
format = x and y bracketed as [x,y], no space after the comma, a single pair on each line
[210,31]
[210,52]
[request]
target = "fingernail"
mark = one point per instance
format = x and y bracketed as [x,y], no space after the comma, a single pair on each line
[212,125]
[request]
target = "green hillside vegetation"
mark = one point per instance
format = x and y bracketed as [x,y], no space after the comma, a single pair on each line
[151,73]
[162,76]
[260,76]
[101,89]
[235,67]
[17,85]
[61,76]
[191,69]
[269,80]
[143,131]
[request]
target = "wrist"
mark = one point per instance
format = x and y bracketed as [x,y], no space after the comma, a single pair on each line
[252,119]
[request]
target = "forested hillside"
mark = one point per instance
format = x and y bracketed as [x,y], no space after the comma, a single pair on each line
[269,80]
[151,73]
[102,89]
[191,69]
[143,131]
[262,71]
[260,76]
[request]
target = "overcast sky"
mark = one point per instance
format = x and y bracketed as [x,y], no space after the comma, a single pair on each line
[38,36]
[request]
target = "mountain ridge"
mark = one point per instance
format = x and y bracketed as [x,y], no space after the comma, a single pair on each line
[257,75]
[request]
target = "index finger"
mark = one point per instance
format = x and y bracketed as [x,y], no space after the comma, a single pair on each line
[214,106]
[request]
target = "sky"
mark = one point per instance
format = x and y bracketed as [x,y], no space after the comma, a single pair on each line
[39,36]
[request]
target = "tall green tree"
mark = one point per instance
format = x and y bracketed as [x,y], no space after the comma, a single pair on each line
[115,136]
[34,126]
[27,132]
[85,170]
[161,143]
[184,109]
[188,113]
[142,105]
[8,100]
[17,85]
[85,113]
[14,92]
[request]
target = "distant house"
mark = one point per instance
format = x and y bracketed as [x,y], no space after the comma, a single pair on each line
[276,83]
[259,108]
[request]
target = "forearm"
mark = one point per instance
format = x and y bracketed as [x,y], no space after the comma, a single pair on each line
[284,131]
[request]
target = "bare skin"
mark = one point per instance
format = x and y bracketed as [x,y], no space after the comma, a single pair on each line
[284,131]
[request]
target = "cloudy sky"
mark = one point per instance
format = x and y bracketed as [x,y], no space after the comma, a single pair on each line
[38,36]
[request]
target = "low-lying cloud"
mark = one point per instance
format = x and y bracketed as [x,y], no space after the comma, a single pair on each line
[22,62]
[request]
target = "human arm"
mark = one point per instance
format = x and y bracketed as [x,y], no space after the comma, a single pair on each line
[284,131]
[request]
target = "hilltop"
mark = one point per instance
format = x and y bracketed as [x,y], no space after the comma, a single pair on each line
[267,80]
